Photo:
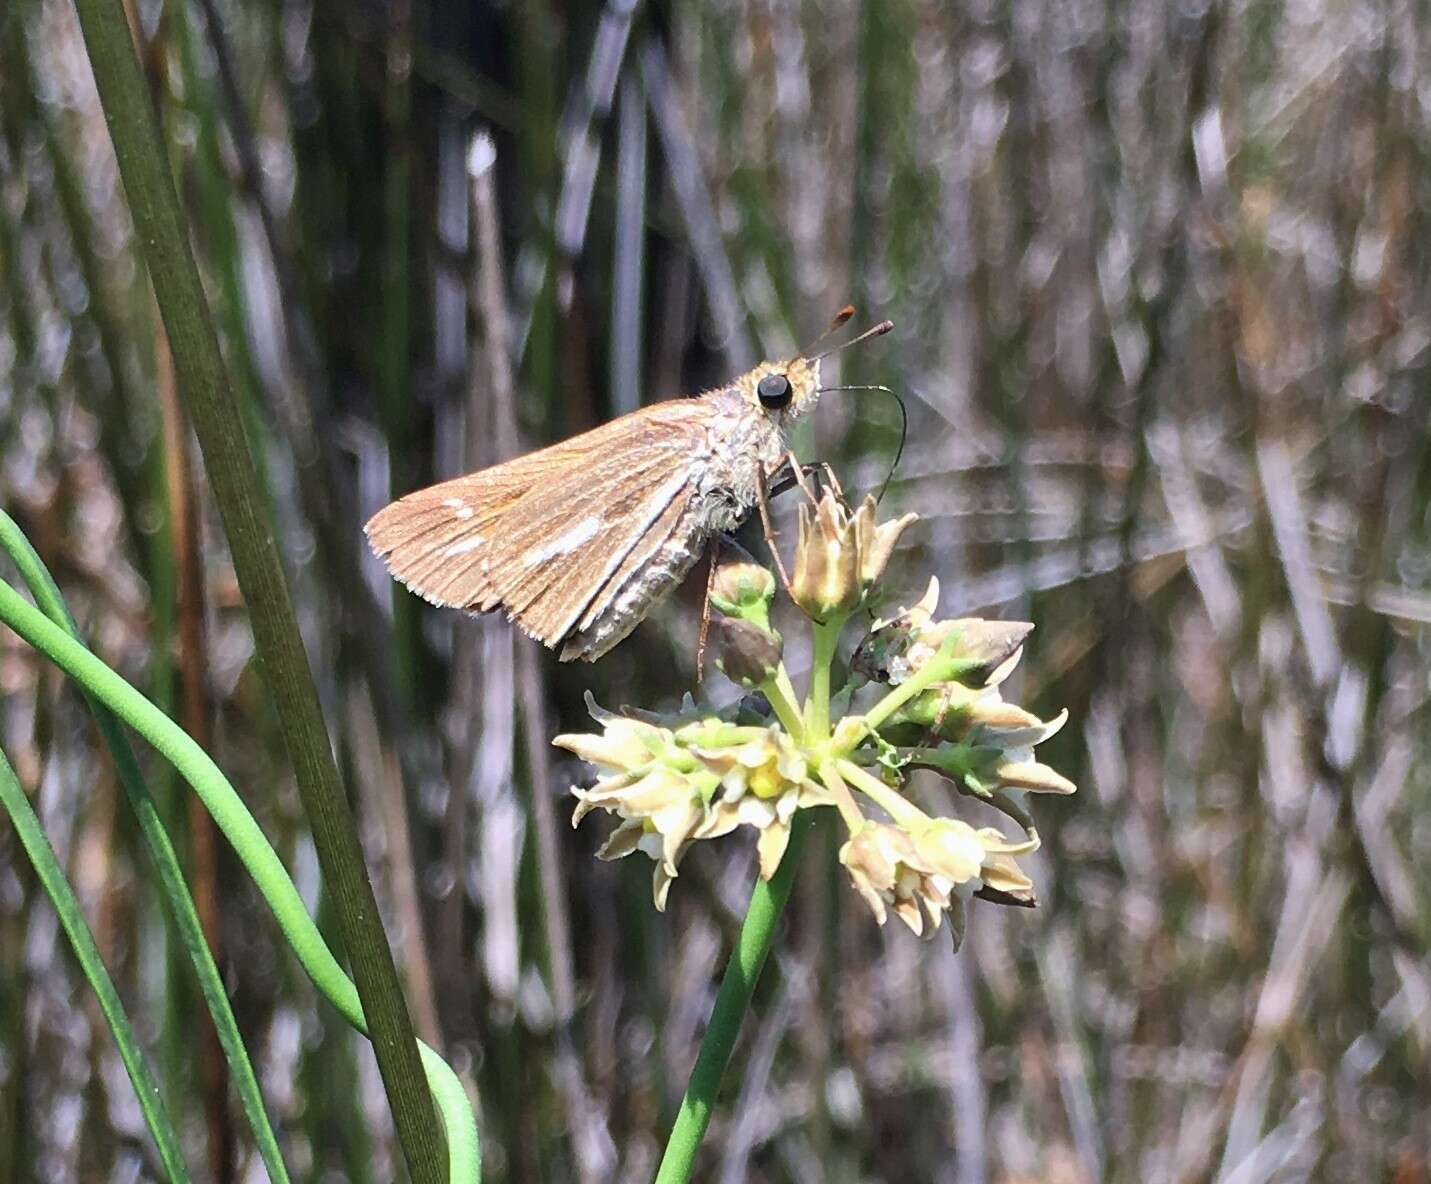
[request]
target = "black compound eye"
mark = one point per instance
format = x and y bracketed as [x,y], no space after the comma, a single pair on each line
[774,391]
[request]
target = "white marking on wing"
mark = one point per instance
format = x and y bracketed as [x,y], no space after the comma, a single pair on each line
[599,604]
[465,545]
[453,503]
[568,540]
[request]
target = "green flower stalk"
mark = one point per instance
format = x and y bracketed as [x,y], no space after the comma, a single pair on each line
[925,695]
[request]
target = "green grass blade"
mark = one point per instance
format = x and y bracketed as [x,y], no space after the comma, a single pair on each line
[252,848]
[47,596]
[161,230]
[52,878]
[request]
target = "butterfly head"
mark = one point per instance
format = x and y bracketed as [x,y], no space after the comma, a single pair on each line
[787,390]
[783,390]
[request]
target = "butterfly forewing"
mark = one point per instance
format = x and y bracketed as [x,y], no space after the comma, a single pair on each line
[554,537]
[549,577]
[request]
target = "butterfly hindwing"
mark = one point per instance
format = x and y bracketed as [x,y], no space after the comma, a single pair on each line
[553,538]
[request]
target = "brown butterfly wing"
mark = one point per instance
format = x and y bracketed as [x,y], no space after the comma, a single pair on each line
[437,541]
[554,536]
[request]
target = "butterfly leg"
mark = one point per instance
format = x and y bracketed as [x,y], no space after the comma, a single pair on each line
[762,501]
[712,561]
[828,474]
[793,474]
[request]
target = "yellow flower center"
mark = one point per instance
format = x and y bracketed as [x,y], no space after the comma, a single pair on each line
[765,781]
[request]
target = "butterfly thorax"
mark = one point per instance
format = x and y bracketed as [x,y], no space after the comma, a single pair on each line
[741,444]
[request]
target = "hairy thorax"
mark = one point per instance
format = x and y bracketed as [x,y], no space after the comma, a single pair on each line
[746,443]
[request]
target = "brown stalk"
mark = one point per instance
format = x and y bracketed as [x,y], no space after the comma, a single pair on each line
[195,717]
[163,236]
[582,1115]
[383,799]
[495,319]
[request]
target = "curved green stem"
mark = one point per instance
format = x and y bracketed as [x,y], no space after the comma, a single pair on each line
[186,917]
[939,668]
[52,879]
[767,902]
[895,804]
[844,800]
[252,848]
[781,694]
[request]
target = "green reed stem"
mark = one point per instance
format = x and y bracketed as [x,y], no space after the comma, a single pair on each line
[47,596]
[52,879]
[757,932]
[253,850]
[161,233]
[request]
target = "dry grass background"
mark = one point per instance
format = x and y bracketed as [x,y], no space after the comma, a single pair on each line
[1161,286]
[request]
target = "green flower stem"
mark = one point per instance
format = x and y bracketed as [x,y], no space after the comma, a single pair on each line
[47,596]
[891,801]
[52,879]
[939,668]
[844,800]
[817,705]
[937,761]
[162,235]
[252,848]
[784,702]
[767,902]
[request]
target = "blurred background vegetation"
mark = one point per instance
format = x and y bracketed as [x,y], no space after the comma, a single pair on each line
[1160,278]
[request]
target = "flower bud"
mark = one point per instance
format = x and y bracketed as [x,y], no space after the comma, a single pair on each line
[743,589]
[841,555]
[826,582]
[984,652]
[744,652]
[1031,775]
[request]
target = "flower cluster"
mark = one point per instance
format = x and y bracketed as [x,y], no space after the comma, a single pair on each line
[934,703]
[673,786]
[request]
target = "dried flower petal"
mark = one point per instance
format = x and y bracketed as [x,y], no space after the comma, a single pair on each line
[877,541]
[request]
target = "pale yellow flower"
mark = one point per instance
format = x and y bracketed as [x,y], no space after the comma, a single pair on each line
[955,851]
[764,781]
[889,873]
[923,875]
[673,788]
[665,802]
[623,746]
